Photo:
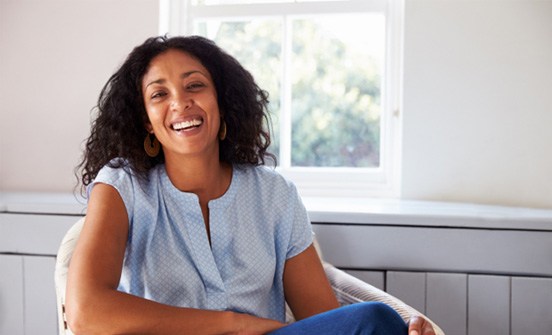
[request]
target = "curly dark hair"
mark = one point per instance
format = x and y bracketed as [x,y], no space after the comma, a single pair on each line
[119,129]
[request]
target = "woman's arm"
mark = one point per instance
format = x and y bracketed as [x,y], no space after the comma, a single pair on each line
[308,291]
[95,306]
[306,286]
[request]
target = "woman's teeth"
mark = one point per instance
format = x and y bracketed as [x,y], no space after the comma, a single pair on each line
[187,124]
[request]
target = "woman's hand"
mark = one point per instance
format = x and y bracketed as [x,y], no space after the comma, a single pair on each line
[419,326]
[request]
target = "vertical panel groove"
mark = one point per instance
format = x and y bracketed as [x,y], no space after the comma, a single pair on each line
[425,292]
[510,306]
[24,291]
[467,303]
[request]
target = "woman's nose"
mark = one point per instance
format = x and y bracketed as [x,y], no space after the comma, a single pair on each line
[180,102]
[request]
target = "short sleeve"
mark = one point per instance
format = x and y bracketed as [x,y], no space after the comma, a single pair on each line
[121,179]
[301,229]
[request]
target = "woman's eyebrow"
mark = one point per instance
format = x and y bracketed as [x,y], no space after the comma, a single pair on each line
[189,73]
[157,81]
[182,76]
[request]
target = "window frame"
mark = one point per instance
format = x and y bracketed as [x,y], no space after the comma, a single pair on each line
[176,17]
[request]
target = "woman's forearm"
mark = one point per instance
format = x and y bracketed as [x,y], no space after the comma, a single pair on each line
[113,312]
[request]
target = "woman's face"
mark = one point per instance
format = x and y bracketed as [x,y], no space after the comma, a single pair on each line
[181,103]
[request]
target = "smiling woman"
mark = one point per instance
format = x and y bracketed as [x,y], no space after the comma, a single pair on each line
[199,234]
[119,128]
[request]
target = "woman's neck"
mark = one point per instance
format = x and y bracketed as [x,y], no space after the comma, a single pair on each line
[208,178]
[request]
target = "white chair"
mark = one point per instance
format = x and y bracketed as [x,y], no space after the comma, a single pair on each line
[63,259]
[348,289]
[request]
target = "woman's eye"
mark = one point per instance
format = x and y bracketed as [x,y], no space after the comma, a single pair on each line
[157,95]
[195,86]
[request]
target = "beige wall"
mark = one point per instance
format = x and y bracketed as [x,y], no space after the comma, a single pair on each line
[478,101]
[477,95]
[55,56]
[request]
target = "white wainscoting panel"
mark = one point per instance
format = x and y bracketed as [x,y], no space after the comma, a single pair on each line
[33,233]
[40,295]
[531,306]
[488,305]
[410,287]
[11,295]
[374,278]
[446,301]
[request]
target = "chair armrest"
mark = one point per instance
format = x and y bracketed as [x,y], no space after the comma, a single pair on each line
[350,290]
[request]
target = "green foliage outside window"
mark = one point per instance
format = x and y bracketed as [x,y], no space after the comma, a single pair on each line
[336,91]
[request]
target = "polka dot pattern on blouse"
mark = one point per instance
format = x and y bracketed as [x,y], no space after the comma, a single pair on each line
[255,226]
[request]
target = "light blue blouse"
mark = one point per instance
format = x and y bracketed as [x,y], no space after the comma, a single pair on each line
[257,225]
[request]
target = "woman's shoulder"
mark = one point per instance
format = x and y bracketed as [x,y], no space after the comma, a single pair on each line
[116,168]
[120,171]
[131,185]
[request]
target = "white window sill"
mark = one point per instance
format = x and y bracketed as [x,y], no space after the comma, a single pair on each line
[399,212]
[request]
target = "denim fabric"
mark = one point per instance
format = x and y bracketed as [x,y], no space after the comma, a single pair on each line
[368,318]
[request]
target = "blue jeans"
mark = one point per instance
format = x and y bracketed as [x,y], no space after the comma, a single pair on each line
[368,318]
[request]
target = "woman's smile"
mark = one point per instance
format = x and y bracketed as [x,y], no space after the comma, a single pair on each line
[186,125]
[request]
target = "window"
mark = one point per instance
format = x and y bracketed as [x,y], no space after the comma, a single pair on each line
[332,72]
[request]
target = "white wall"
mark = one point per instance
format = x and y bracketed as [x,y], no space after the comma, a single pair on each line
[478,101]
[55,56]
[477,95]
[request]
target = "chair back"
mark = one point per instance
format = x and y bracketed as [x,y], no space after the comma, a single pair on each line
[63,259]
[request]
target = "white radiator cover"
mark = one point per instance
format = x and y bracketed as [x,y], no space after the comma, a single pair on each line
[473,269]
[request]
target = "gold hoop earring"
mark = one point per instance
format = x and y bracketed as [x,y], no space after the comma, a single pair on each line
[222,131]
[152,145]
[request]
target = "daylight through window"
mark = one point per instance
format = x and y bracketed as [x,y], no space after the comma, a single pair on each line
[329,68]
